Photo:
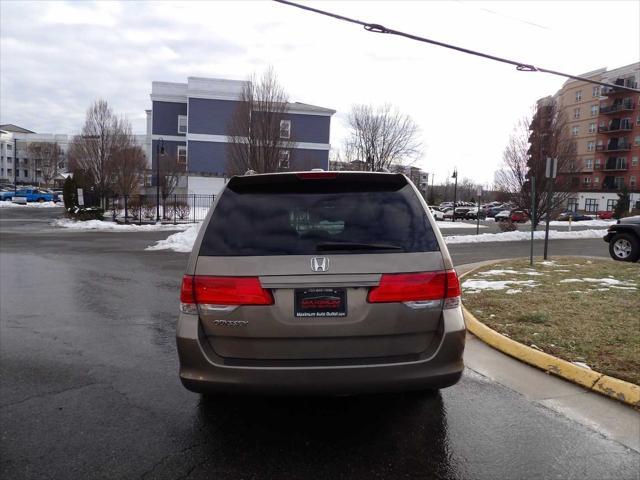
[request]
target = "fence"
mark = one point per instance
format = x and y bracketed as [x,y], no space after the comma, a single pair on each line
[175,208]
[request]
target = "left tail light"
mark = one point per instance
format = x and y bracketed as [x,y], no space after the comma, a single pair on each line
[230,291]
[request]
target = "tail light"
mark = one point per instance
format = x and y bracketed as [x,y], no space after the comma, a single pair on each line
[223,291]
[316,175]
[417,287]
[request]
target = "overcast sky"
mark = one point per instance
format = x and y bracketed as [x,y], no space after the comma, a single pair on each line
[58,57]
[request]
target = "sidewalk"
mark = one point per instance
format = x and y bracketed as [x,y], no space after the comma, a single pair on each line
[612,419]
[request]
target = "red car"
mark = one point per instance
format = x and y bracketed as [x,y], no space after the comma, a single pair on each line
[605,215]
[519,216]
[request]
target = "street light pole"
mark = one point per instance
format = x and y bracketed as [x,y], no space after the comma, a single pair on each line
[15,165]
[455,193]
[159,151]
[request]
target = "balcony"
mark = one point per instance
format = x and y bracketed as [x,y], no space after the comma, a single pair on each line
[622,82]
[614,147]
[616,127]
[626,106]
[612,187]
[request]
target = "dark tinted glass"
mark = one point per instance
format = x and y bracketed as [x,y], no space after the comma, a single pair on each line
[308,217]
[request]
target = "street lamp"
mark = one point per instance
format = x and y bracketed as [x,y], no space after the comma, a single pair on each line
[15,165]
[159,151]
[455,193]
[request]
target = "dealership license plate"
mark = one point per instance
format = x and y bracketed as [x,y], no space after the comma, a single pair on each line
[320,302]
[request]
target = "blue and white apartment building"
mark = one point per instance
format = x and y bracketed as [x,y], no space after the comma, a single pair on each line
[192,120]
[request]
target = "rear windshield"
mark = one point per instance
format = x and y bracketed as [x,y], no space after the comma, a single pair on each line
[318,216]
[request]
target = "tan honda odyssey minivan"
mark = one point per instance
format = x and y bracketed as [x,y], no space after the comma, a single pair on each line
[319,282]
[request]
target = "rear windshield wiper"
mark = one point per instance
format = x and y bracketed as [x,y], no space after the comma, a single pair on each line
[326,246]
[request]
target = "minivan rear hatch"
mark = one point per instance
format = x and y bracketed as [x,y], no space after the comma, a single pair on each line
[343,266]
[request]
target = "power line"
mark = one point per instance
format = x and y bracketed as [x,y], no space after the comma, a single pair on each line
[520,66]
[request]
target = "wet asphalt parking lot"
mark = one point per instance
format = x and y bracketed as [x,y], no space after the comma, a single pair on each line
[89,386]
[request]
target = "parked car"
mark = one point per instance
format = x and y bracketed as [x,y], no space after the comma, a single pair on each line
[461,212]
[35,195]
[472,214]
[319,282]
[437,214]
[605,215]
[575,217]
[492,211]
[516,216]
[7,194]
[624,239]
[448,213]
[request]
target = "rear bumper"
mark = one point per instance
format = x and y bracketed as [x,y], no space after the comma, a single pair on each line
[199,371]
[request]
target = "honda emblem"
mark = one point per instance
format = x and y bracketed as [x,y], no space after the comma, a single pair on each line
[319,264]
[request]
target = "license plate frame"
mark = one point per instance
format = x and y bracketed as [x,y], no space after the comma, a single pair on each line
[320,302]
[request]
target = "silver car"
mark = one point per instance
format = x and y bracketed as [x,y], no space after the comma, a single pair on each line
[319,282]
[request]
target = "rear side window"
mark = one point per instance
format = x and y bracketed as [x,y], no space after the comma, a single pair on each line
[308,217]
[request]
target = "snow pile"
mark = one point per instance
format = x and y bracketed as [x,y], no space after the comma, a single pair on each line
[584,223]
[178,242]
[457,225]
[512,272]
[9,204]
[116,227]
[523,236]
[603,282]
[473,286]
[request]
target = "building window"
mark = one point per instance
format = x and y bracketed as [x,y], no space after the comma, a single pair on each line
[283,163]
[26,173]
[637,140]
[594,110]
[638,120]
[591,204]
[9,159]
[596,179]
[592,127]
[572,204]
[634,161]
[182,124]
[574,131]
[595,92]
[578,95]
[632,181]
[588,163]
[10,147]
[9,171]
[285,128]
[586,181]
[590,146]
[618,182]
[576,112]
[611,204]
[182,154]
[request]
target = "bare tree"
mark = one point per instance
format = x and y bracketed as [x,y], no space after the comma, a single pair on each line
[128,163]
[171,171]
[91,152]
[258,132]
[47,159]
[544,135]
[382,136]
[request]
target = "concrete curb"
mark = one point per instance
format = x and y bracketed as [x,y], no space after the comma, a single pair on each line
[598,382]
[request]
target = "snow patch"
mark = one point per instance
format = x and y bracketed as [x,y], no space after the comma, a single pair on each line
[457,225]
[495,284]
[504,272]
[513,291]
[111,226]
[9,204]
[178,242]
[523,236]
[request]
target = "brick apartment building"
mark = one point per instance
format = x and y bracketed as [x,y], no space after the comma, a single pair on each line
[605,124]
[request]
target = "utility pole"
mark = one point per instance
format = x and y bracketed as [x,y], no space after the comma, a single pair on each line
[15,164]
[479,194]
[455,193]
[533,216]
[550,173]
[159,151]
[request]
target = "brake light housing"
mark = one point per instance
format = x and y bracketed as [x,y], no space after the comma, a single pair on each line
[417,287]
[221,291]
